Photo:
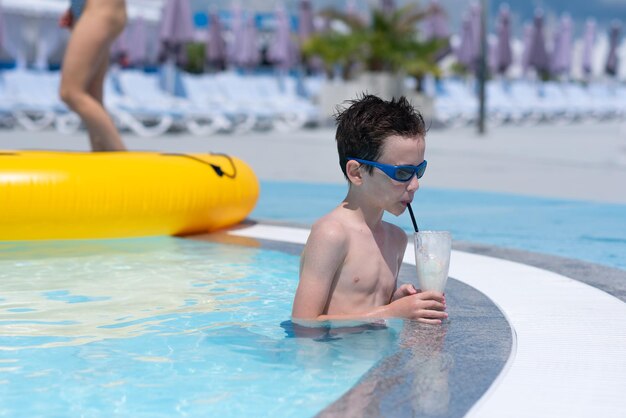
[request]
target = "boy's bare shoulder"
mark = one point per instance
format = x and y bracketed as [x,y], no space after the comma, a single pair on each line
[330,229]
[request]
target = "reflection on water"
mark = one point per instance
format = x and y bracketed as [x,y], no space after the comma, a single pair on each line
[429,376]
[413,381]
[164,327]
[75,292]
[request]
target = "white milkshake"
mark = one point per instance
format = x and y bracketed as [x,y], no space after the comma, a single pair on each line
[432,259]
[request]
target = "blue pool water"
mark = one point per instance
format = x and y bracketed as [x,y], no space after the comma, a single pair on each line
[167,326]
[164,327]
[588,231]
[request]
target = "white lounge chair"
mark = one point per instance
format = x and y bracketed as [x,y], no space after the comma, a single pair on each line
[203,91]
[292,110]
[6,115]
[35,102]
[131,115]
[258,96]
[455,103]
[142,97]
[501,106]
[528,95]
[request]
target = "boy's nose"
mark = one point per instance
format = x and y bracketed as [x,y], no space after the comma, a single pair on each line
[414,184]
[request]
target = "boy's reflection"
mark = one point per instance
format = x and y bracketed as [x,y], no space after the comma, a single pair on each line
[399,368]
[413,381]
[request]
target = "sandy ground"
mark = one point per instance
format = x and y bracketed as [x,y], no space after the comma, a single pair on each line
[584,161]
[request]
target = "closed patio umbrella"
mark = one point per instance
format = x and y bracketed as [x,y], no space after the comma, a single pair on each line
[503,54]
[216,46]
[528,36]
[176,29]
[538,55]
[306,28]
[119,49]
[436,27]
[282,51]
[612,61]
[475,17]
[388,6]
[249,56]
[1,28]
[589,40]
[435,23]
[137,43]
[466,51]
[237,31]
[562,52]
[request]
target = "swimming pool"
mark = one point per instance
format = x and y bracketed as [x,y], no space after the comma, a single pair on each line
[162,327]
[589,231]
[168,326]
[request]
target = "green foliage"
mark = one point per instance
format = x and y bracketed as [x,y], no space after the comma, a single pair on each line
[195,58]
[388,43]
[333,49]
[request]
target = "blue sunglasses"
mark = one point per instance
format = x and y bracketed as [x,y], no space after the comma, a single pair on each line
[402,173]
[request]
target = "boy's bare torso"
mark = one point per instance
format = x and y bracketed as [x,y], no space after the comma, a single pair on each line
[366,278]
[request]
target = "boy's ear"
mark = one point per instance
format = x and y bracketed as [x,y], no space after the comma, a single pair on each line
[354,174]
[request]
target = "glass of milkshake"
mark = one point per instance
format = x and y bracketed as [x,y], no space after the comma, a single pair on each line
[432,259]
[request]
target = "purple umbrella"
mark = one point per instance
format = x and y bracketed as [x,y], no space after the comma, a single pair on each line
[387,6]
[353,11]
[119,49]
[249,55]
[466,51]
[612,61]
[306,28]
[282,50]
[137,43]
[237,30]
[475,18]
[528,37]
[562,52]
[1,28]
[589,40]
[537,55]
[435,23]
[492,53]
[216,46]
[176,29]
[436,27]
[503,54]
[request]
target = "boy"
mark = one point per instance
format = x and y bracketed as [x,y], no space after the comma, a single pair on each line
[350,264]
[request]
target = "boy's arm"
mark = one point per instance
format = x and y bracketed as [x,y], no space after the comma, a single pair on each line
[323,255]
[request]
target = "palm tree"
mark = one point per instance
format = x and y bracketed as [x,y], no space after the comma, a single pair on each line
[389,43]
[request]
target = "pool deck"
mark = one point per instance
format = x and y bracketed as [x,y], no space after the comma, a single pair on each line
[566,356]
[585,161]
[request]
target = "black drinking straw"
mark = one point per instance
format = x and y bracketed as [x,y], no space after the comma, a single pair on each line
[413,218]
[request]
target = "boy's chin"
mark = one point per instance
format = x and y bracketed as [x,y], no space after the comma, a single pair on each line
[397,211]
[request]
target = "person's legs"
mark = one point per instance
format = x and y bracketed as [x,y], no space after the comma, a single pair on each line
[84,65]
[96,90]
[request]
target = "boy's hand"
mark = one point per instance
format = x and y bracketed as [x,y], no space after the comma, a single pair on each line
[427,307]
[404,290]
[66,20]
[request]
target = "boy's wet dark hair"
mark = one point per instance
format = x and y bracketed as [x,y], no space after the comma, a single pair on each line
[363,127]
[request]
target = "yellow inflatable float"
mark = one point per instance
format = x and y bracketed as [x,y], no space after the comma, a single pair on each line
[73,195]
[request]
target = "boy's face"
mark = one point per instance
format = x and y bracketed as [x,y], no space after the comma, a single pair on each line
[391,195]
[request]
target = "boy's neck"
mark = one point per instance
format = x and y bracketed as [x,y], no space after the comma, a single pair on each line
[370,215]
